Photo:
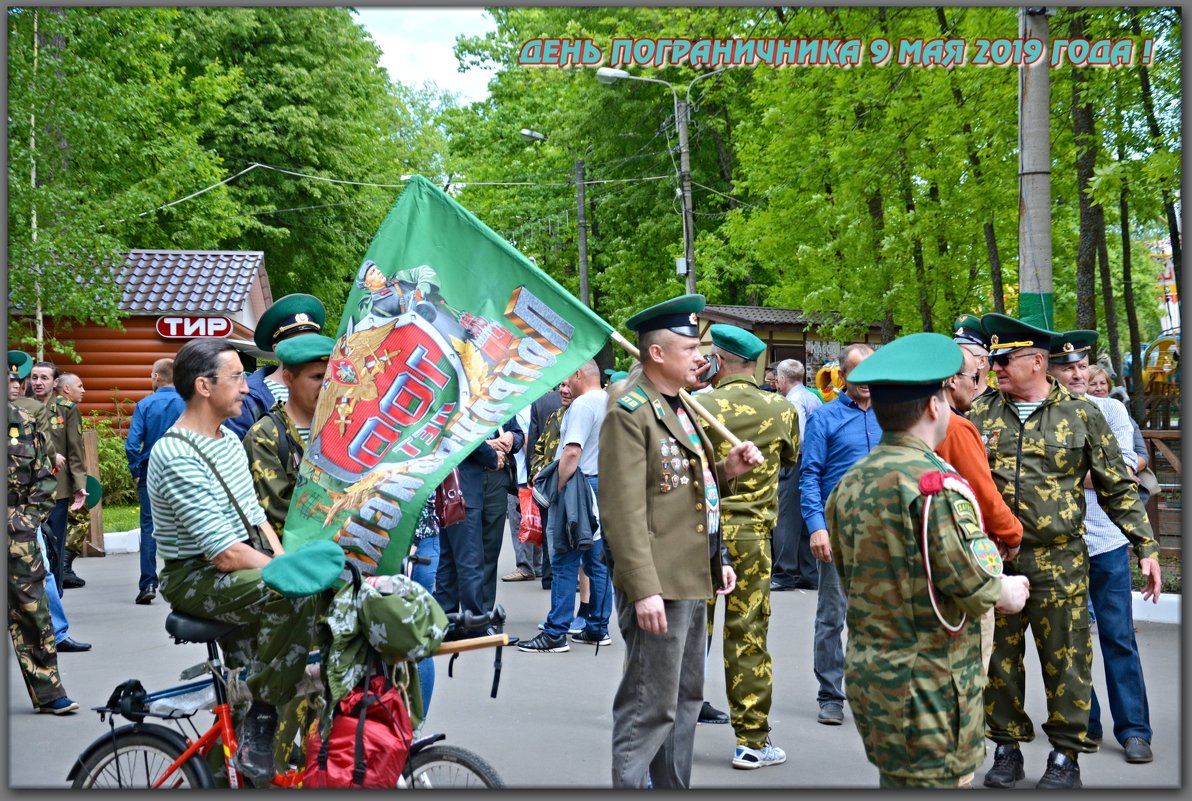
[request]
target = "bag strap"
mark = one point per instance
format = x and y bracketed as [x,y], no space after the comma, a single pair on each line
[285,443]
[248,527]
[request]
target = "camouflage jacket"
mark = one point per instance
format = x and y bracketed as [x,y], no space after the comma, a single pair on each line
[42,415]
[1039,467]
[547,443]
[66,432]
[772,424]
[274,464]
[30,480]
[917,691]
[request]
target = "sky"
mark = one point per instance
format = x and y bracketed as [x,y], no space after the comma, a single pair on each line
[417,45]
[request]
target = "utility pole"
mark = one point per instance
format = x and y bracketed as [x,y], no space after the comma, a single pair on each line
[582,220]
[685,184]
[1036,304]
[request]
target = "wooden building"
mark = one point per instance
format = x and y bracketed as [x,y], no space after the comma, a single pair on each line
[170,296]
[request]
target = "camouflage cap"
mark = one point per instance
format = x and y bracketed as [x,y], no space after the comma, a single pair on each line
[1006,334]
[305,348]
[1072,346]
[737,341]
[676,314]
[293,314]
[969,331]
[20,364]
[910,367]
[305,571]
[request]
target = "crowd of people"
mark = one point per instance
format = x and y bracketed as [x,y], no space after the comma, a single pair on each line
[936,513]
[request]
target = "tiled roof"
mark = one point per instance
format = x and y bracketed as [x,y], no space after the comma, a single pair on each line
[190,281]
[755,315]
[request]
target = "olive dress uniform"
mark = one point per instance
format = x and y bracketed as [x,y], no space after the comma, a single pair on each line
[66,432]
[747,522]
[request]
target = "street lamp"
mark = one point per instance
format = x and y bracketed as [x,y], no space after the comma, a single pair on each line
[608,76]
[581,214]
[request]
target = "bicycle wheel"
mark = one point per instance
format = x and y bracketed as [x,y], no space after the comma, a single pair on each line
[137,759]
[440,767]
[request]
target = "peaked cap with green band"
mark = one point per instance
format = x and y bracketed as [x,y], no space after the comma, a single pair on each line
[1007,334]
[737,341]
[1072,346]
[20,364]
[676,314]
[305,571]
[910,367]
[293,314]
[304,348]
[969,331]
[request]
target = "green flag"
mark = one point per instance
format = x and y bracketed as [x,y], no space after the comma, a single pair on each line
[448,331]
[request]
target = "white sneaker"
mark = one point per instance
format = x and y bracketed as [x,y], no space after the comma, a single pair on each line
[747,758]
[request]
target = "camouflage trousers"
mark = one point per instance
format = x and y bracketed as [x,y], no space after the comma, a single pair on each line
[1057,614]
[748,668]
[886,781]
[276,634]
[78,524]
[29,622]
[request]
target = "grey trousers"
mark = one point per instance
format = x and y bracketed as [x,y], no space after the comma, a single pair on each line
[658,701]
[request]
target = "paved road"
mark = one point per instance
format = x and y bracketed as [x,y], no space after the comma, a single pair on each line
[550,724]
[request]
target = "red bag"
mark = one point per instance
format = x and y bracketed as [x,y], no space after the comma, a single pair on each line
[369,741]
[530,529]
[449,501]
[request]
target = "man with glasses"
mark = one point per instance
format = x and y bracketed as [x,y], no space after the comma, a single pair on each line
[1040,441]
[971,338]
[201,491]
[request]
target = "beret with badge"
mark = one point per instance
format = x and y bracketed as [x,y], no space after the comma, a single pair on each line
[737,341]
[908,368]
[677,314]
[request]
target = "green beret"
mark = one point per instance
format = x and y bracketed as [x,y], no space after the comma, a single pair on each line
[291,315]
[737,341]
[676,314]
[617,375]
[305,571]
[1072,346]
[94,491]
[1007,334]
[20,364]
[969,331]
[910,367]
[304,348]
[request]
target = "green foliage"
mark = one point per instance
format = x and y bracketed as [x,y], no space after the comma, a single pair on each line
[118,484]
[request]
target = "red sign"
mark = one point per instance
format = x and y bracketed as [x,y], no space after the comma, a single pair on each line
[191,327]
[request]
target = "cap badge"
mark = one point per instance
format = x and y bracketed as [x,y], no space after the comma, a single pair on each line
[1068,347]
[302,317]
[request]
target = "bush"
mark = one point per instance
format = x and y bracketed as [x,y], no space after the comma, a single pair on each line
[118,484]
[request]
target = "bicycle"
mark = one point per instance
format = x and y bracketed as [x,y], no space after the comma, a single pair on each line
[154,756]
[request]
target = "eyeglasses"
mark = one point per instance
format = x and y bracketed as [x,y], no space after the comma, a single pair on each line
[1004,359]
[235,378]
[975,376]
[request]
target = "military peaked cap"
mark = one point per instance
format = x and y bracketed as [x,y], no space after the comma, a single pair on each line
[676,314]
[1007,334]
[293,314]
[969,331]
[20,364]
[1072,346]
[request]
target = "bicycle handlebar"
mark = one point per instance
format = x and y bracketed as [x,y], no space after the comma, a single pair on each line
[469,621]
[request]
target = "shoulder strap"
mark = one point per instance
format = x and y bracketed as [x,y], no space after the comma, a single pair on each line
[285,443]
[243,518]
[633,399]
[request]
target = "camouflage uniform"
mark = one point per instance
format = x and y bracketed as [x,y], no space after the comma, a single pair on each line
[79,523]
[30,497]
[547,442]
[274,480]
[747,521]
[915,688]
[1039,468]
[66,432]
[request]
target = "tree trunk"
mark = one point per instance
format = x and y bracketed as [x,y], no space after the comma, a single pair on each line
[1148,105]
[1137,387]
[995,270]
[908,200]
[1086,161]
[1111,326]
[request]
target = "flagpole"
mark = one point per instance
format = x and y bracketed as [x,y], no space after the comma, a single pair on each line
[700,410]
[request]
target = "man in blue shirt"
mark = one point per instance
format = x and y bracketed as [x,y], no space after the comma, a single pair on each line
[835,437]
[150,419]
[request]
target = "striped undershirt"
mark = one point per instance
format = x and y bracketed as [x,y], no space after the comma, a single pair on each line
[191,512]
[1026,409]
[280,391]
[303,434]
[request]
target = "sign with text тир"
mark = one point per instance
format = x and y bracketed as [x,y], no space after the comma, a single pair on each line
[180,327]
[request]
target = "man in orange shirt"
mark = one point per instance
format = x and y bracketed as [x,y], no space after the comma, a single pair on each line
[964,450]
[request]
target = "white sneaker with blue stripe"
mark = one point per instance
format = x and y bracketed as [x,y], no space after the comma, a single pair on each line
[747,758]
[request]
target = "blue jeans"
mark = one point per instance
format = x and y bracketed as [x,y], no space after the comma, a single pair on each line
[148,548]
[828,657]
[1109,592]
[57,613]
[55,529]
[565,571]
[425,575]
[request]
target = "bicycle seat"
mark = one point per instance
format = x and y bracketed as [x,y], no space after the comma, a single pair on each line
[187,628]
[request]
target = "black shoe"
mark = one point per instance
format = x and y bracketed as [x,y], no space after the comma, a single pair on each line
[831,714]
[712,715]
[545,644]
[1096,738]
[72,582]
[1007,767]
[147,595]
[69,646]
[1138,750]
[1062,773]
[254,757]
[781,586]
[804,584]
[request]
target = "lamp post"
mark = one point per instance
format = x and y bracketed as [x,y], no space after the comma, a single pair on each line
[581,211]
[608,75]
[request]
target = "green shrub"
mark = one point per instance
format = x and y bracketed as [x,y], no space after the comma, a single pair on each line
[118,484]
